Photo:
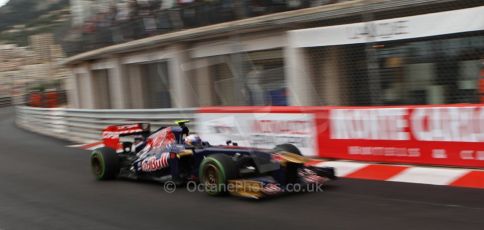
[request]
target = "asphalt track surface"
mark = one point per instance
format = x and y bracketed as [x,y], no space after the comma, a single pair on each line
[45,185]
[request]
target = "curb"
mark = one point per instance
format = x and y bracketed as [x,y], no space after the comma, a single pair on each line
[455,177]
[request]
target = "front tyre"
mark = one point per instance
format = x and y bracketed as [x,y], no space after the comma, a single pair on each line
[215,171]
[105,163]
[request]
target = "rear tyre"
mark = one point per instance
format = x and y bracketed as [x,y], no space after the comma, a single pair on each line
[288,148]
[215,171]
[105,163]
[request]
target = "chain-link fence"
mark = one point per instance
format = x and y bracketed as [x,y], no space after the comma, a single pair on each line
[422,71]
[434,71]
[352,53]
[441,66]
[253,78]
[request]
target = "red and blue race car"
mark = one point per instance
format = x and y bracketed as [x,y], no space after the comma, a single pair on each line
[172,154]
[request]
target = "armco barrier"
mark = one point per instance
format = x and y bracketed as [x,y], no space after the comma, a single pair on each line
[436,135]
[82,125]
[451,135]
[5,101]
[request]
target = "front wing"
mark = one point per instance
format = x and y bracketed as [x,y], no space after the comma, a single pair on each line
[311,179]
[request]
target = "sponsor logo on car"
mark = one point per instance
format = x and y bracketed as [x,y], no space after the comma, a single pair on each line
[311,177]
[155,163]
[271,189]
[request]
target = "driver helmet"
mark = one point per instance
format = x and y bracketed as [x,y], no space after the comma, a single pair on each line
[193,140]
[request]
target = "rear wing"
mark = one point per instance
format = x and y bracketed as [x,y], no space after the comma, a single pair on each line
[112,133]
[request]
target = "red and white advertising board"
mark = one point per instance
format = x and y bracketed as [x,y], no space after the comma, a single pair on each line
[258,128]
[427,135]
[433,135]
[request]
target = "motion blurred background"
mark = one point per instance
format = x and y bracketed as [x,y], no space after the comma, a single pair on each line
[124,54]
[259,73]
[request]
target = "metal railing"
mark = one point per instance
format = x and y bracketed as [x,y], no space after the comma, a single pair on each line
[82,125]
[5,101]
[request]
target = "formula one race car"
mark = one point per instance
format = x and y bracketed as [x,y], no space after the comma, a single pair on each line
[172,155]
